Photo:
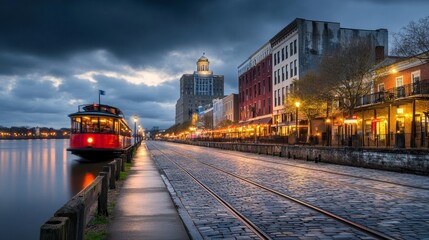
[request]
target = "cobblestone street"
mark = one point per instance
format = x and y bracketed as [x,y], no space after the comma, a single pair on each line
[290,199]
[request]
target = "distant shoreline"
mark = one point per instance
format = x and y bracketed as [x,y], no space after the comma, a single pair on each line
[26,138]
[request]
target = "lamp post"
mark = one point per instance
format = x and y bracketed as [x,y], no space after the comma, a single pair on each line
[296,120]
[135,128]
[328,137]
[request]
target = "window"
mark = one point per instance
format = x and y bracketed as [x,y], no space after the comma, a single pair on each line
[283,95]
[291,69]
[286,51]
[259,88]
[278,57]
[90,125]
[76,125]
[275,98]
[399,81]
[283,54]
[294,46]
[381,87]
[275,78]
[295,67]
[106,125]
[278,97]
[286,91]
[415,82]
[287,75]
[263,106]
[291,48]
[283,73]
[275,59]
[263,87]
[415,76]
[254,89]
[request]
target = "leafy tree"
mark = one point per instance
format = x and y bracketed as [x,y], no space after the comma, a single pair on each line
[207,120]
[225,123]
[312,95]
[413,40]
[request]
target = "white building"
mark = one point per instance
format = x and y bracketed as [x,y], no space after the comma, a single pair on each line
[298,48]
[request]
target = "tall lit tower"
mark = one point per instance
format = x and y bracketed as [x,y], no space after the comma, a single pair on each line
[198,89]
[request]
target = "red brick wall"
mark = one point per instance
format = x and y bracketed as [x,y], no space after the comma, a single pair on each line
[256,77]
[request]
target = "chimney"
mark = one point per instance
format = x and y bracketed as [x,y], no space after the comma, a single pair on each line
[379,53]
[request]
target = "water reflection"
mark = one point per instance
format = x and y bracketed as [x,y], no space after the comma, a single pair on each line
[36,178]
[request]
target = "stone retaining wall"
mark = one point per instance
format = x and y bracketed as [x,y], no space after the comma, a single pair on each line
[400,160]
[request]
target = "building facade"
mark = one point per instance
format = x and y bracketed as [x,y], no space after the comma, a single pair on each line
[396,113]
[230,107]
[217,111]
[198,89]
[255,90]
[299,48]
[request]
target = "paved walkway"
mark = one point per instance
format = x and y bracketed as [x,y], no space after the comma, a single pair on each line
[144,209]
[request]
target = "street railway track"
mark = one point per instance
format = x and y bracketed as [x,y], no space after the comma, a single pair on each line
[249,223]
[221,151]
[339,183]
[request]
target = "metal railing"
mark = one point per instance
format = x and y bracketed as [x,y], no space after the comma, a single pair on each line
[408,90]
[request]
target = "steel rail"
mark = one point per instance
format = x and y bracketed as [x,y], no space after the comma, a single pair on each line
[261,234]
[355,225]
[330,172]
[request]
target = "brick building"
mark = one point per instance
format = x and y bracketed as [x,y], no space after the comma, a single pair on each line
[396,113]
[255,91]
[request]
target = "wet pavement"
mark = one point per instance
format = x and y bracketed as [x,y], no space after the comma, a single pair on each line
[391,203]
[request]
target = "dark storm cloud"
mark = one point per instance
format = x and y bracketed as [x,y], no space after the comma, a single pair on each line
[55,55]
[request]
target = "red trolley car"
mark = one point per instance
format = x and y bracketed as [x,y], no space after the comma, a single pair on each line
[98,131]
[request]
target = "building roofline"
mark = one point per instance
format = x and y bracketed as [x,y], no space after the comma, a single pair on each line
[286,30]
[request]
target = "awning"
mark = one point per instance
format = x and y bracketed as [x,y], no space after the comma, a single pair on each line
[266,120]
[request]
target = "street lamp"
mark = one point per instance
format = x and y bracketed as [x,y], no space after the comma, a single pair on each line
[139,135]
[135,128]
[328,137]
[296,120]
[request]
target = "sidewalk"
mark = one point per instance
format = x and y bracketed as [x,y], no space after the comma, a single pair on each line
[144,209]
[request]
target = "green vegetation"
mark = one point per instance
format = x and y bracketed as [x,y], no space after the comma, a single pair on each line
[123,175]
[97,228]
[96,235]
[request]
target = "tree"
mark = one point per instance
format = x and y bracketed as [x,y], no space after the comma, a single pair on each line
[413,40]
[312,95]
[225,123]
[349,72]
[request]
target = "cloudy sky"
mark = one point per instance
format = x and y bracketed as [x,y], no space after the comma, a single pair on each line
[55,55]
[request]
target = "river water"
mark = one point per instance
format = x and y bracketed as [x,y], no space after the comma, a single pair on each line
[37,177]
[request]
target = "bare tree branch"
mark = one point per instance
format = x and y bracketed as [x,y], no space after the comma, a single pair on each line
[413,40]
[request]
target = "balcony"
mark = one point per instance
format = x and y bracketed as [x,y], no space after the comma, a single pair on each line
[405,91]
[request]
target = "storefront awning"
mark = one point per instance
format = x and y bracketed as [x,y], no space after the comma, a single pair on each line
[266,120]
[260,121]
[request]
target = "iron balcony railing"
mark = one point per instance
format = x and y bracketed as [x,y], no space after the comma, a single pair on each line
[413,89]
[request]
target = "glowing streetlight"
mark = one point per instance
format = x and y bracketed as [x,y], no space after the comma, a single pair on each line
[135,127]
[296,120]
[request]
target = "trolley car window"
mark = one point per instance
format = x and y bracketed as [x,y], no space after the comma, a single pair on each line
[106,125]
[90,125]
[76,125]
[116,127]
